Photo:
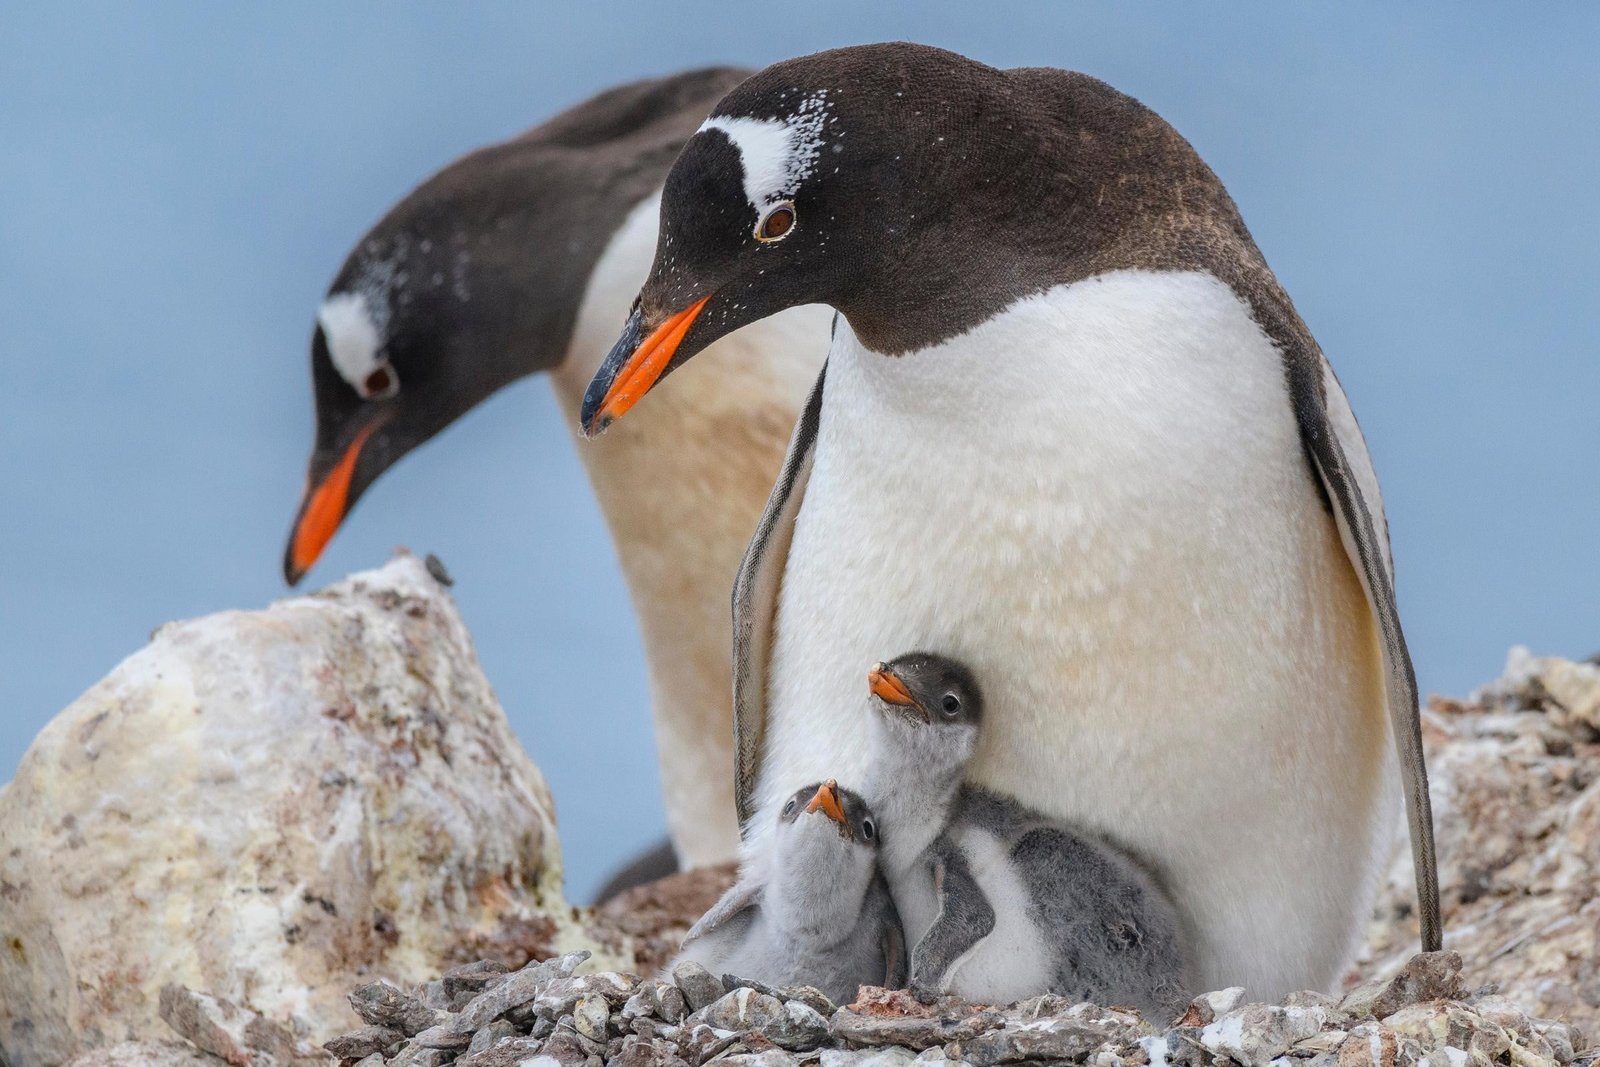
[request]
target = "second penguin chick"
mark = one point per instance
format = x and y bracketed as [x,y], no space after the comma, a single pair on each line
[999,902]
[820,915]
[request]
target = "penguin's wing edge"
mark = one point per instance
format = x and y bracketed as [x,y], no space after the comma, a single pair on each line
[892,942]
[1333,440]
[740,899]
[755,600]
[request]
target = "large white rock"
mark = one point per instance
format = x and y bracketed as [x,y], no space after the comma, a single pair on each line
[272,807]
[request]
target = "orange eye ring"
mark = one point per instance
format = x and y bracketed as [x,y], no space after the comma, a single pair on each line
[777,223]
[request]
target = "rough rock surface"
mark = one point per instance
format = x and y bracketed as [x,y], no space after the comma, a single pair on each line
[271,807]
[146,1054]
[1516,798]
[544,1016]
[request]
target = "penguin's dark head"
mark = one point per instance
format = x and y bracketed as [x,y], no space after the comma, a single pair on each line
[827,804]
[411,336]
[916,191]
[790,193]
[475,280]
[923,689]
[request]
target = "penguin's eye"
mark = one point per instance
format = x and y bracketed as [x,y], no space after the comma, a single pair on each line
[869,830]
[776,224]
[788,809]
[380,384]
[952,705]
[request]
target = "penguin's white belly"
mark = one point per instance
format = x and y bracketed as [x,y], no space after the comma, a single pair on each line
[1012,961]
[1100,502]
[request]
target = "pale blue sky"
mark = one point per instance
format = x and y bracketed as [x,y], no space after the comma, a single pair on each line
[179,182]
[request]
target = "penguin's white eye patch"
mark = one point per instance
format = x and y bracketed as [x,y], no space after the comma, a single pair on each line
[353,332]
[777,223]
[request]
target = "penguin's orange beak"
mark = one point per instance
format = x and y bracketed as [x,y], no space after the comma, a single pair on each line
[322,510]
[633,367]
[826,801]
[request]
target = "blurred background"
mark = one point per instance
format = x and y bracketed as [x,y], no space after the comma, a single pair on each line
[178,184]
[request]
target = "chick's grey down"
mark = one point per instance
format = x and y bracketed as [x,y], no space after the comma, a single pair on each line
[818,913]
[999,903]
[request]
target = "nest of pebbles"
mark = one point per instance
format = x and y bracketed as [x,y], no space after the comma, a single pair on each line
[548,1015]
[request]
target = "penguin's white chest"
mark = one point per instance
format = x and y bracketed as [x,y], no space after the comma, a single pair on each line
[1098,500]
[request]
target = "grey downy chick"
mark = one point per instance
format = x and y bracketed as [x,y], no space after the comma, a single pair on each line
[999,902]
[820,914]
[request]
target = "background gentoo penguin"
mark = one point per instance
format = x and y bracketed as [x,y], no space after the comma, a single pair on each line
[522,257]
[819,914]
[1071,431]
[997,902]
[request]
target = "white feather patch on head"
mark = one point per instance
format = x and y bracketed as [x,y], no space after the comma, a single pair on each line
[776,154]
[353,336]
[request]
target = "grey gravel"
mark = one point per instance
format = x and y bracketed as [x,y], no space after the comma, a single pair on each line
[547,1012]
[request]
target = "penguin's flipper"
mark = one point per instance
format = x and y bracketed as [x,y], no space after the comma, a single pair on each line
[755,600]
[1333,440]
[965,918]
[736,907]
[892,940]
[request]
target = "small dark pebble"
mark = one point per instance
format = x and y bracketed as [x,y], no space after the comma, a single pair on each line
[435,567]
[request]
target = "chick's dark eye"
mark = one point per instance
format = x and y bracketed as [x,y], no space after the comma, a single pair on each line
[776,223]
[788,809]
[952,703]
[868,829]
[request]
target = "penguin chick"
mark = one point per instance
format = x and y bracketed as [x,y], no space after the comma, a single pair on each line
[999,901]
[820,915]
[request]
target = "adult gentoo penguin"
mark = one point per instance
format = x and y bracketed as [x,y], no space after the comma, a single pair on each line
[1072,432]
[522,257]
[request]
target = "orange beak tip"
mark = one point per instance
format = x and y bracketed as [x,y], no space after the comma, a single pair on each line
[643,368]
[324,509]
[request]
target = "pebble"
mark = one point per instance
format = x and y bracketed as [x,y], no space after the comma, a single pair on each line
[1257,1034]
[591,1015]
[491,1035]
[358,1044]
[698,985]
[384,1004]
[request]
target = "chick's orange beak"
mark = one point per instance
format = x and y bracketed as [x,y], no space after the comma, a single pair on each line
[625,377]
[826,801]
[323,510]
[887,687]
